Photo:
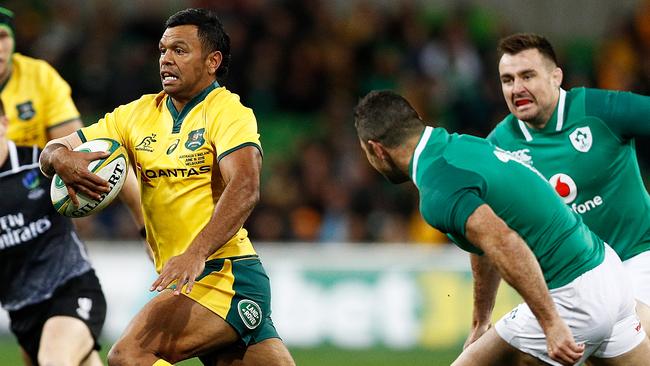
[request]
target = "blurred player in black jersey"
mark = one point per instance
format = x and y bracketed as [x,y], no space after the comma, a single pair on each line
[55,302]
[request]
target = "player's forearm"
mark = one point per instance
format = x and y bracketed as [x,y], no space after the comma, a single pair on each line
[233,208]
[486,284]
[517,265]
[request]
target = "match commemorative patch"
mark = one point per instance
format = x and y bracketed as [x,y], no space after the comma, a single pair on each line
[250,313]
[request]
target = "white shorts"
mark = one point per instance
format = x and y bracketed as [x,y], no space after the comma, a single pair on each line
[598,308]
[638,269]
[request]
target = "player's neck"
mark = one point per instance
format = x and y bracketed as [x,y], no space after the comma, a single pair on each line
[180,101]
[404,153]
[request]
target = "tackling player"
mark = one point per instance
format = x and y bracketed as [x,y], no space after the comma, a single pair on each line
[517,228]
[582,141]
[198,159]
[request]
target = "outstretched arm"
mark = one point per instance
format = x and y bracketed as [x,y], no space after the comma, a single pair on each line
[240,171]
[517,265]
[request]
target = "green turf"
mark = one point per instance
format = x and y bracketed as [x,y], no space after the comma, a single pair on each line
[322,356]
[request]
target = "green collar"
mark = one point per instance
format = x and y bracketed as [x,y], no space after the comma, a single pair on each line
[179,117]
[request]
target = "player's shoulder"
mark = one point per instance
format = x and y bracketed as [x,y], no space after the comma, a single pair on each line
[505,131]
[32,65]
[222,101]
[146,103]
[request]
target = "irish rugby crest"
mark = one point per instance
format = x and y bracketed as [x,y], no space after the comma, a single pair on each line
[581,139]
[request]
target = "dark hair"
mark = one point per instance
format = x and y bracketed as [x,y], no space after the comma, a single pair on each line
[210,31]
[386,117]
[2,108]
[518,42]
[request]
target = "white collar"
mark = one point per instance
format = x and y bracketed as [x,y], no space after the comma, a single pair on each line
[418,150]
[15,163]
[558,123]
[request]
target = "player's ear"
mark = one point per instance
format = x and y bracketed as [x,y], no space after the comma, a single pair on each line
[378,149]
[557,76]
[214,61]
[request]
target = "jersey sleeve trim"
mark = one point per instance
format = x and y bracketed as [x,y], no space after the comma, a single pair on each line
[81,136]
[59,124]
[222,155]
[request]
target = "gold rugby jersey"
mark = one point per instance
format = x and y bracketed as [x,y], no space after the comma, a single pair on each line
[175,156]
[36,98]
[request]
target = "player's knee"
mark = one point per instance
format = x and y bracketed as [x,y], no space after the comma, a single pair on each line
[118,356]
[280,353]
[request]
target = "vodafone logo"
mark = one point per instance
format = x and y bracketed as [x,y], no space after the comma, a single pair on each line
[564,186]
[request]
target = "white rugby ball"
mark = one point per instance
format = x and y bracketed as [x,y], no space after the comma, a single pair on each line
[113,169]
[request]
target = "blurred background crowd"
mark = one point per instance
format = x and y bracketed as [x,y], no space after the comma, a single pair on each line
[302,65]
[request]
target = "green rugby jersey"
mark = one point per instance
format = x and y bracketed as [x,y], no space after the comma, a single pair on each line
[457,173]
[587,152]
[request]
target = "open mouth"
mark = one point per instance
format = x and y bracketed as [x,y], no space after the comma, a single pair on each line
[167,77]
[522,102]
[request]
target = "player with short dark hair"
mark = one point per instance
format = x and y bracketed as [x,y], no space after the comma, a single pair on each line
[198,158]
[54,299]
[505,214]
[583,141]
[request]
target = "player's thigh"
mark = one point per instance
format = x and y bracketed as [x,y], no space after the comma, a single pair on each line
[269,352]
[643,311]
[638,268]
[175,328]
[65,338]
[639,356]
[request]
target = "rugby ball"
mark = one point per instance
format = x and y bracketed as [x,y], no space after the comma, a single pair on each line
[113,169]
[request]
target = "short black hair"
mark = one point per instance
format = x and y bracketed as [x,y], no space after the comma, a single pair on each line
[210,31]
[386,117]
[515,43]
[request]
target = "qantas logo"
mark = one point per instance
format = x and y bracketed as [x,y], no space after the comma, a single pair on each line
[567,189]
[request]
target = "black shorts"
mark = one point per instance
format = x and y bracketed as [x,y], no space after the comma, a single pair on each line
[81,297]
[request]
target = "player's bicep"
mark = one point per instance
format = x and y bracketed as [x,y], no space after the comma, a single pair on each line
[243,164]
[485,229]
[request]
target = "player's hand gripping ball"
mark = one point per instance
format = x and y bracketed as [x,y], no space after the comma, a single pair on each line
[113,169]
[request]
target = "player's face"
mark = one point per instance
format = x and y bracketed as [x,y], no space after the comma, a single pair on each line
[385,166]
[6,48]
[530,84]
[184,70]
